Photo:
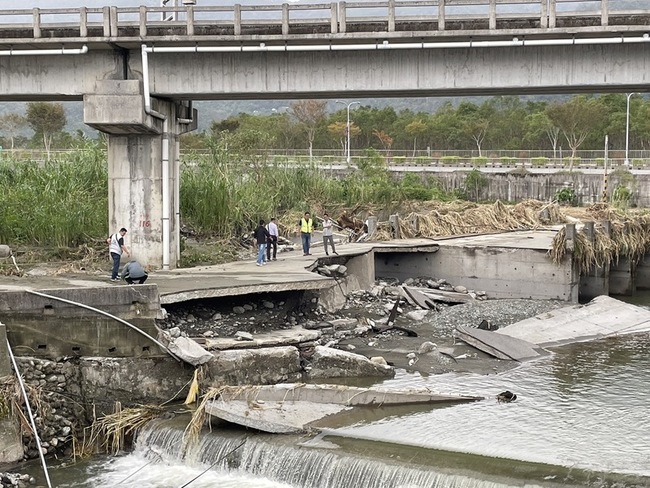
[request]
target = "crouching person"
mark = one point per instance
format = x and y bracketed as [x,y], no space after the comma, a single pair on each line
[133,272]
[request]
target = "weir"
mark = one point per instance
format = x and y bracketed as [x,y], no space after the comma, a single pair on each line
[338,462]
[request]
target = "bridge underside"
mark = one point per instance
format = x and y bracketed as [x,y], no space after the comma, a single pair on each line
[332,74]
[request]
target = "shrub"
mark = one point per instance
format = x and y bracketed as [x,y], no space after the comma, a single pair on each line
[479,161]
[566,196]
[450,160]
[508,161]
[541,161]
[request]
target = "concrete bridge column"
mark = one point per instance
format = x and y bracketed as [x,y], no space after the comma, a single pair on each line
[143,168]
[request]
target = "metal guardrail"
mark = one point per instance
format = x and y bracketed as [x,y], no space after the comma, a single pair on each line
[288,19]
[444,159]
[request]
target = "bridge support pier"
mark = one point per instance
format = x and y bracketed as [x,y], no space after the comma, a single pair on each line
[143,167]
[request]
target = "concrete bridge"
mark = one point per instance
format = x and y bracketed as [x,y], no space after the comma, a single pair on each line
[138,70]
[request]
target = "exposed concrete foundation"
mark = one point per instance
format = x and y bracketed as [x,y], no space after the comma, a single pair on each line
[622,277]
[514,265]
[126,302]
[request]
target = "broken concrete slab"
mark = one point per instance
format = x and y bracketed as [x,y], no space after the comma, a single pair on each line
[227,366]
[604,316]
[498,345]
[284,337]
[273,417]
[334,363]
[418,298]
[290,408]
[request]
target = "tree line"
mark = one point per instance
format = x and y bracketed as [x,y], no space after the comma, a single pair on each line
[498,123]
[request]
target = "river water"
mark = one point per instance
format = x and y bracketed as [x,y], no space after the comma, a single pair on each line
[581,419]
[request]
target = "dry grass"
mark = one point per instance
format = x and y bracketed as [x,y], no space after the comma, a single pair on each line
[629,234]
[110,433]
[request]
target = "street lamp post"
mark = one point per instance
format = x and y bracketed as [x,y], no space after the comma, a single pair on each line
[347,126]
[627,129]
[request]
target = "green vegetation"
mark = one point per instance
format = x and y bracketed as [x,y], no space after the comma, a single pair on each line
[566,196]
[58,203]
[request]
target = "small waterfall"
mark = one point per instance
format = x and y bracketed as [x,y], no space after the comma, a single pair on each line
[280,459]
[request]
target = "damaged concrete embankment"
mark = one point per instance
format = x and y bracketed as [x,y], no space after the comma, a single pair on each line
[112,364]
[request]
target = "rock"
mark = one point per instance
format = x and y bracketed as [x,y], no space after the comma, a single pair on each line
[350,347]
[36,272]
[460,289]
[238,310]
[311,325]
[216,316]
[243,336]
[248,307]
[337,269]
[379,360]
[409,281]
[174,332]
[426,347]
[189,351]
[267,304]
[190,318]
[324,271]
[417,315]
[208,333]
[432,284]
[411,355]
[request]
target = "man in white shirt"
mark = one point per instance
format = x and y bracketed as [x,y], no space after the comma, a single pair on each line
[273,240]
[328,234]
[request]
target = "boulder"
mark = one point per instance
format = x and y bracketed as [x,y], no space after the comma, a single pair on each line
[333,363]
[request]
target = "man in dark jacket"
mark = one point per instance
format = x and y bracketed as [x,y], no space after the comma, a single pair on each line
[261,235]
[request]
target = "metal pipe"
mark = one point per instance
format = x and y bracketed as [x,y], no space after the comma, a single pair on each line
[386,45]
[101,312]
[43,52]
[31,415]
[164,158]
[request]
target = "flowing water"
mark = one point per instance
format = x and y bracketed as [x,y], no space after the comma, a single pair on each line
[581,419]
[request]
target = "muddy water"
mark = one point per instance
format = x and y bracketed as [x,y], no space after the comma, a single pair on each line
[586,406]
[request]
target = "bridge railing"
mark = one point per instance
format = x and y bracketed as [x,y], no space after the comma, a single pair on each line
[385,16]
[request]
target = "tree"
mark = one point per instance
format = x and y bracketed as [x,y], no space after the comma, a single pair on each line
[539,126]
[12,124]
[339,129]
[385,140]
[46,119]
[416,129]
[576,119]
[309,113]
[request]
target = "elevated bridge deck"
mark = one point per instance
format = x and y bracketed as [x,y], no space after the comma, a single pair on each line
[337,22]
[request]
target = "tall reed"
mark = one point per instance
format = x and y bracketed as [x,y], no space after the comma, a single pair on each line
[59,203]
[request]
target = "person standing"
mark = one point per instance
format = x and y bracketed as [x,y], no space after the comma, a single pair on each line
[328,234]
[306,229]
[116,247]
[133,271]
[261,236]
[273,240]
